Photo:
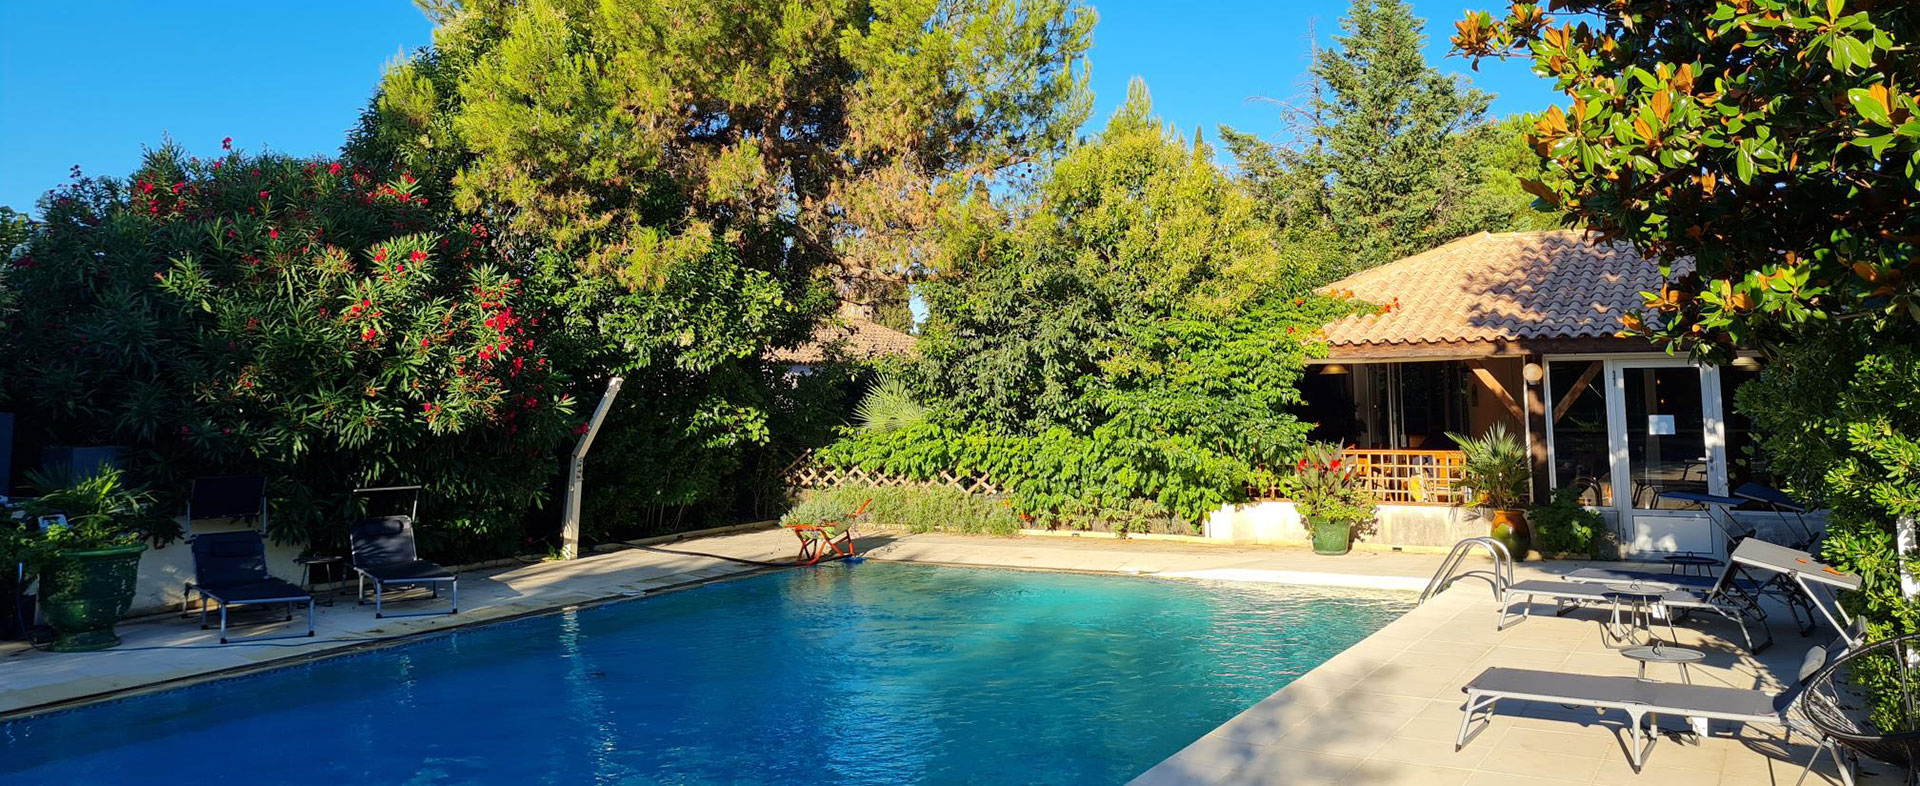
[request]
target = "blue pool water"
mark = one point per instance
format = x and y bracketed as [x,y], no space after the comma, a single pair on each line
[874,673]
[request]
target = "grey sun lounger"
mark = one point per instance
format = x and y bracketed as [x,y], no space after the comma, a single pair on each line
[230,569]
[1643,701]
[384,552]
[1793,574]
[1672,602]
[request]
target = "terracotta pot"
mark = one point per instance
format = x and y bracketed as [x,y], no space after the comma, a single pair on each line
[86,593]
[1509,526]
[1331,538]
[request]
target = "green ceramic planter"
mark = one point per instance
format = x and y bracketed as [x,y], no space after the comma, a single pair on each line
[1331,538]
[86,593]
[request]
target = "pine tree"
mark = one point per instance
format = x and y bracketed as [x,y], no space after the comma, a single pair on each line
[1389,156]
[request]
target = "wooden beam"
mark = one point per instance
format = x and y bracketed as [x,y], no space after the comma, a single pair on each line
[1579,386]
[1536,398]
[1500,392]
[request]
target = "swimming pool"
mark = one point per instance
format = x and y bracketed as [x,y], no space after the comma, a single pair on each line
[868,673]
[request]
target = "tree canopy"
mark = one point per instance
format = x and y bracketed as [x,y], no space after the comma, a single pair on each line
[1389,156]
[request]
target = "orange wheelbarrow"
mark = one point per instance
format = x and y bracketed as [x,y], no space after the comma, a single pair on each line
[829,538]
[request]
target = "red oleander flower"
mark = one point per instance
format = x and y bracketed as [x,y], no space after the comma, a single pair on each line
[226,144]
[1302,466]
[418,256]
[580,429]
[263,193]
[380,255]
[368,334]
[333,169]
[273,233]
[423,342]
[1334,465]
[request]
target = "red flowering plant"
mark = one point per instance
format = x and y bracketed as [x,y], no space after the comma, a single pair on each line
[1326,486]
[297,318]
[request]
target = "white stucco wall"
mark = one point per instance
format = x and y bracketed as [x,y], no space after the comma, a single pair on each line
[1275,522]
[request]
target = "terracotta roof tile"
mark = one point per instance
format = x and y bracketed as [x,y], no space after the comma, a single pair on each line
[1492,288]
[847,338]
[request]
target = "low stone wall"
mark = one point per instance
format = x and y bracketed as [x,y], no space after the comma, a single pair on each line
[1278,522]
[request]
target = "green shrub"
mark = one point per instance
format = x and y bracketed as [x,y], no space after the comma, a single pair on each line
[1564,526]
[911,509]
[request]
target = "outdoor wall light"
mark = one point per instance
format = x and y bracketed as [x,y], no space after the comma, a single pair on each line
[1334,368]
[1533,373]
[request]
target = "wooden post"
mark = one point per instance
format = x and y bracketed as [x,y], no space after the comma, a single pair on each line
[1537,425]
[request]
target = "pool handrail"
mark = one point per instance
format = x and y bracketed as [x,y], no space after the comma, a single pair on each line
[1500,577]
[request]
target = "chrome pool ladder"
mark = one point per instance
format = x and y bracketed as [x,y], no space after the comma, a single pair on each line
[1500,577]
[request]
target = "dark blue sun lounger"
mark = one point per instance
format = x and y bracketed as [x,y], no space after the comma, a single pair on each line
[230,569]
[384,552]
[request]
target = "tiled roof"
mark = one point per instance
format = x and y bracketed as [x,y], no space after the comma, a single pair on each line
[1510,288]
[847,338]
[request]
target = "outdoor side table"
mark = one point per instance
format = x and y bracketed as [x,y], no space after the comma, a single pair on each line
[1678,656]
[1640,601]
[307,564]
[1686,564]
[1665,653]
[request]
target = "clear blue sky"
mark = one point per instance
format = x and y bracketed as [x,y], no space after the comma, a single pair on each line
[89,82]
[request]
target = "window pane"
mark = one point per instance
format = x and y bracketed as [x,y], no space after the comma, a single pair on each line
[1666,435]
[1579,416]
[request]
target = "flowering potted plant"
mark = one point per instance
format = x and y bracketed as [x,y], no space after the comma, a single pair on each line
[1327,491]
[1495,477]
[88,554]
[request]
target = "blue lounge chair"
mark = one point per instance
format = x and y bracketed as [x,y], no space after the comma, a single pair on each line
[230,569]
[384,552]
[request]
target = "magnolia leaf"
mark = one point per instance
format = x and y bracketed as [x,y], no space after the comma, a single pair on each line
[1870,105]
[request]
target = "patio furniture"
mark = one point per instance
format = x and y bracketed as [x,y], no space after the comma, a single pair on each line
[1665,653]
[384,552]
[309,563]
[383,549]
[1781,504]
[230,568]
[1834,703]
[1639,601]
[1793,577]
[1645,700]
[832,536]
[1671,595]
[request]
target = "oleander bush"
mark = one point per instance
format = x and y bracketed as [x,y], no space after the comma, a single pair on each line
[290,317]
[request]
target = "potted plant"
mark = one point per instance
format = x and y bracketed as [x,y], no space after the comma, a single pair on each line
[1495,478]
[87,553]
[1326,489]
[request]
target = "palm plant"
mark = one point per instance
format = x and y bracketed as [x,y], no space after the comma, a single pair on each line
[889,406]
[1496,471]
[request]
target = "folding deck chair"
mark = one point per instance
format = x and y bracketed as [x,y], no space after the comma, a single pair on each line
[1793,576]
[827,537]
[385,553]
[230,568]
[1645,700]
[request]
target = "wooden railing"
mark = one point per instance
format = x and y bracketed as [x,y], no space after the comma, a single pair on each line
[1402,477]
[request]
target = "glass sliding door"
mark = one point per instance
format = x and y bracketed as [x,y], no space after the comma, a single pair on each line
[1666,436]
[1577,421]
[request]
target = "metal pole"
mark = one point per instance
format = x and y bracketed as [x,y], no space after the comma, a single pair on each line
[570,526]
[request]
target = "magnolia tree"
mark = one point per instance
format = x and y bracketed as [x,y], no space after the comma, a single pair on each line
[295,318]
[1769,152]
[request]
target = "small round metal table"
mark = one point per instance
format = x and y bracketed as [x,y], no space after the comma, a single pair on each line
[1678,656]
[1665,653]
[307,564]
[1639,600]
[1687,564]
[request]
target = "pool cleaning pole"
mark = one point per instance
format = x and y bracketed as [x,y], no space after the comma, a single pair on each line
[570,526]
